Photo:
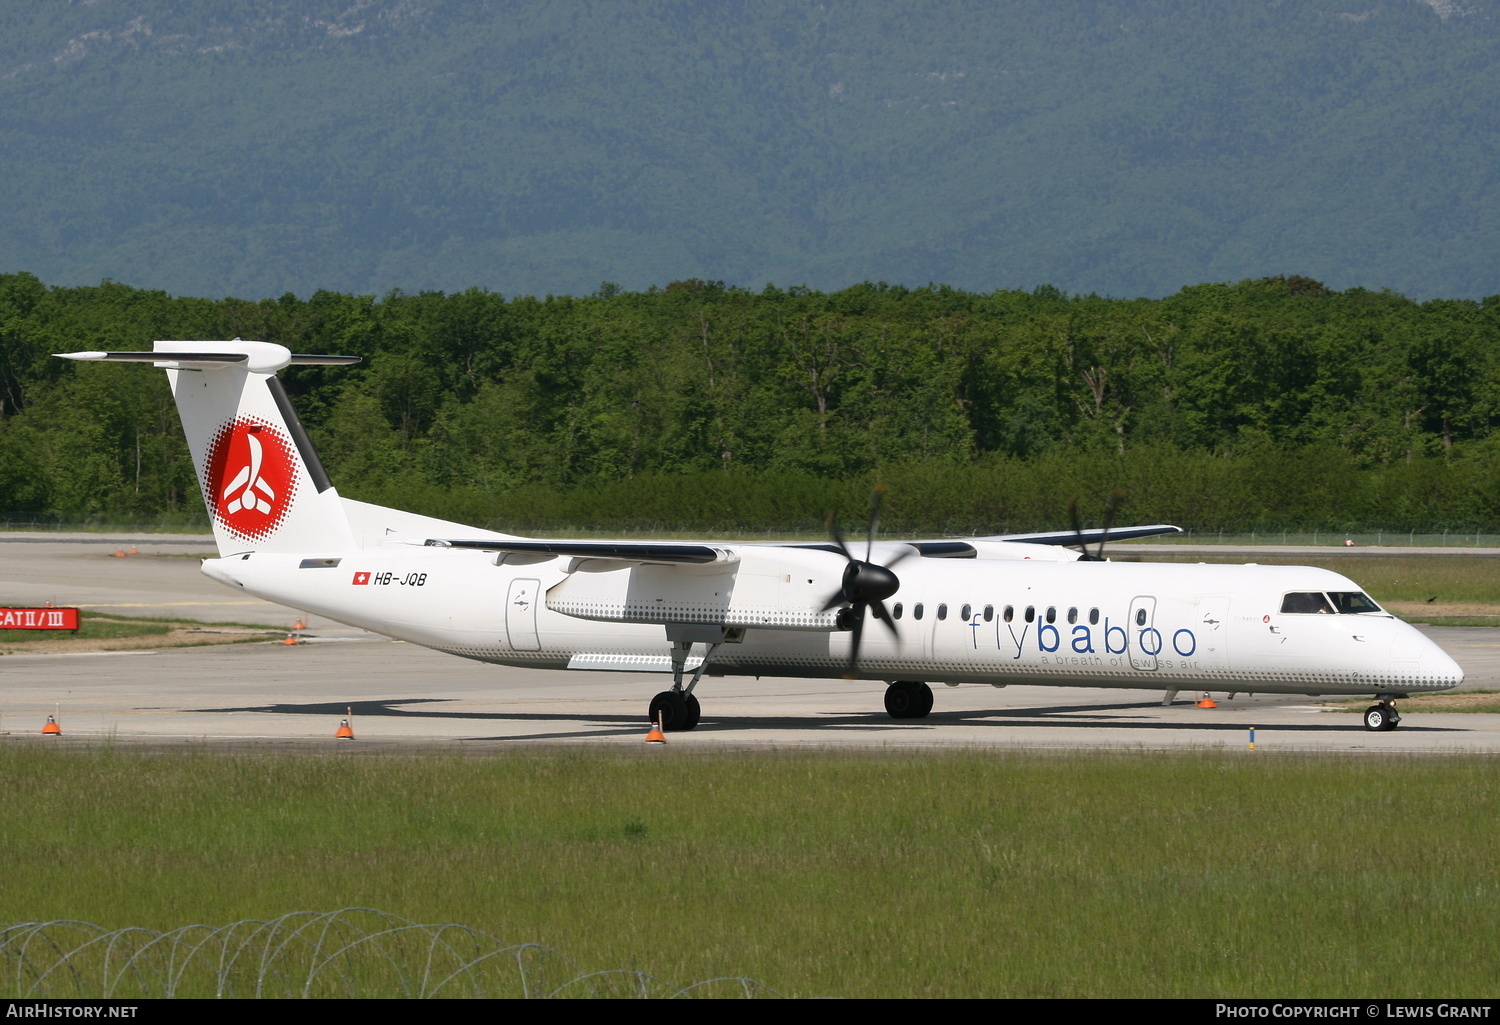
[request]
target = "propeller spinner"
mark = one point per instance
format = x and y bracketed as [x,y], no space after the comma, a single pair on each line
[866,585]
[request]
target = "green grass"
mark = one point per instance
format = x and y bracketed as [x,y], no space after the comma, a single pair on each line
[94,626]
[104,626]
[818,874]
[1448,578]
[1480,700]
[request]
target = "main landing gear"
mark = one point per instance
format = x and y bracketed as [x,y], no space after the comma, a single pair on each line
[908,699]
[674,710]
[1382,716]
[677,710]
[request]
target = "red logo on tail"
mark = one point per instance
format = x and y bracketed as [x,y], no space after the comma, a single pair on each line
[251,478]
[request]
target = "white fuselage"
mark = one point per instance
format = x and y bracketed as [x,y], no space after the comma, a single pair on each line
[1095,624]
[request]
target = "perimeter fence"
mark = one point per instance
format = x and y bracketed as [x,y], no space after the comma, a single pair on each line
[352,952]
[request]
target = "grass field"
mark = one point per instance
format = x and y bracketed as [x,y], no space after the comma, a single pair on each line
[99,631]
[818,874]
[1483,701]
[1401,578]
[93,626]
[1441,588]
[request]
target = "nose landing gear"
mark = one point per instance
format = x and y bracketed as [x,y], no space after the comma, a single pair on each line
[1382,716]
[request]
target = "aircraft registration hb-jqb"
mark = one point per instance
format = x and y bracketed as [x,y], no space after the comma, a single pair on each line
[1019,609]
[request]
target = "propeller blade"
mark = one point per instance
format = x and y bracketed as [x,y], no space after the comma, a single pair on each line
[876,497]
[902,554]
[866,584]
[859,629]
[1077,525]
[878,608]
[1115,498]
[838,539]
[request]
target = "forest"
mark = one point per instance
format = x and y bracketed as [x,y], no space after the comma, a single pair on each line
[1273,403]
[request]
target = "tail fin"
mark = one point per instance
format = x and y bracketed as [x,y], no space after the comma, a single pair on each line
[262,481]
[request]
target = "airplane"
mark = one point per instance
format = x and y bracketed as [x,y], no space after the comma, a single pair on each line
[997,611]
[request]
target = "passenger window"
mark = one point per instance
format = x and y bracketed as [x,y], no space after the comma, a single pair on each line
[1140,617]
[1304,603]
[967,613]
[1051,614]
[943,611]
[896,611]
[1072,615]
[989,613]
[916,611]
[1030,613]
[1009,614]
[1093,617]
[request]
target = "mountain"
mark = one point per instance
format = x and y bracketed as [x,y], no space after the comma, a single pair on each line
[258,147]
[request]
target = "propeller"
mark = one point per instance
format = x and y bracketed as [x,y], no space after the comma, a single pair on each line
[866,585]
[1115,498]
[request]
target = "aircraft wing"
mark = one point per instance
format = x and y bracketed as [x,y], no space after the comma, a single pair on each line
[1092,536]
[622,551]
[678,552]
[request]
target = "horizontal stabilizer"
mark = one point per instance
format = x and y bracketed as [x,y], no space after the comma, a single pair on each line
[634,551]
[1073,537]
[157,357]
[297,359]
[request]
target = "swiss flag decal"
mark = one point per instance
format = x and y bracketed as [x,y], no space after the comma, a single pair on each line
[361,578]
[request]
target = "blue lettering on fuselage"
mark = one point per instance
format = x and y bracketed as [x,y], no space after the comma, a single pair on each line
[1149,640]
[1047,632]
[1192,642]
[1109,632]
[1017,641]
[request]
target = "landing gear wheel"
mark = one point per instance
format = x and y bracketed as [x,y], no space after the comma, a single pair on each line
[908,699]
[674,712]
[1381,718]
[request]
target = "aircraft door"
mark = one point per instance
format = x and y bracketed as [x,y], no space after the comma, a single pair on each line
[1145,639]
[1211,634]
[520,614]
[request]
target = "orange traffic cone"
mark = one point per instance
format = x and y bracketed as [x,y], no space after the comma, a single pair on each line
[134,550]
[119,554]
[290,639]
[343,732]
[1206,702]
[299,625]
[656,736]
[52,727]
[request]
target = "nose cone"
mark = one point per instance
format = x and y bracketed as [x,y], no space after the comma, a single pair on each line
[1439,671]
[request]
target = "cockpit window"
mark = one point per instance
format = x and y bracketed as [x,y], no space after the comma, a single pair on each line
[1300,603]
[1353,602]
